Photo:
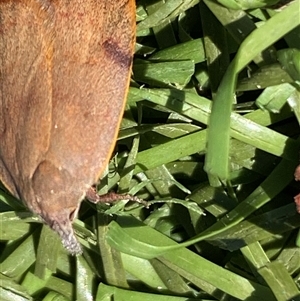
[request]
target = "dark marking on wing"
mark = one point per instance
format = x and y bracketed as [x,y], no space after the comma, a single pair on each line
[114,51]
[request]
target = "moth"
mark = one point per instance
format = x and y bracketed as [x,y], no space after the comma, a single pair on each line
[64,72]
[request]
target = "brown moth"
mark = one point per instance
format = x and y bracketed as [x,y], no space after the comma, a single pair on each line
[64,71]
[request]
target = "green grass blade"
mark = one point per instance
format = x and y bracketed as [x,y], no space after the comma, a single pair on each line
[187,263]
[219,125]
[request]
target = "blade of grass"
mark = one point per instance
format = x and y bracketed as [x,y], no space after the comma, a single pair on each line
[255,256]
[289,257]
[260,196]
[174,282]
[47,252]
[7,232]
[61,286]
[168,11]
[146,273]
[281,220]
[19,258]
[164,33]
[244,4]
[192,50]
[11,291]
[33,283]
[266,76]
[163,74]
[107,293]
[114,272]
[127,172]
[271,98]
[216,162]
[280,282]
[198,108]
[215,45]
[52,296]
[190,265]
[84,280]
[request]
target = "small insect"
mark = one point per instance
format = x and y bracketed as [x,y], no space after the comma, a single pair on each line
[65,69]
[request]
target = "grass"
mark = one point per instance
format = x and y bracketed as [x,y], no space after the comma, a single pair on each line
[210,138]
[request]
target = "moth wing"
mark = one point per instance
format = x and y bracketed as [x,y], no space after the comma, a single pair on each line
[65,70]
[25,99]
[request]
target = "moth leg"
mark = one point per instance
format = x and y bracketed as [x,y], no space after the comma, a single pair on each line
[111,197]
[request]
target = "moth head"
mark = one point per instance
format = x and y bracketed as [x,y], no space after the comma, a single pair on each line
[56,196]
[61,223]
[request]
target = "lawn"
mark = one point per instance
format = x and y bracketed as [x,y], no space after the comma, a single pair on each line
[209,139]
